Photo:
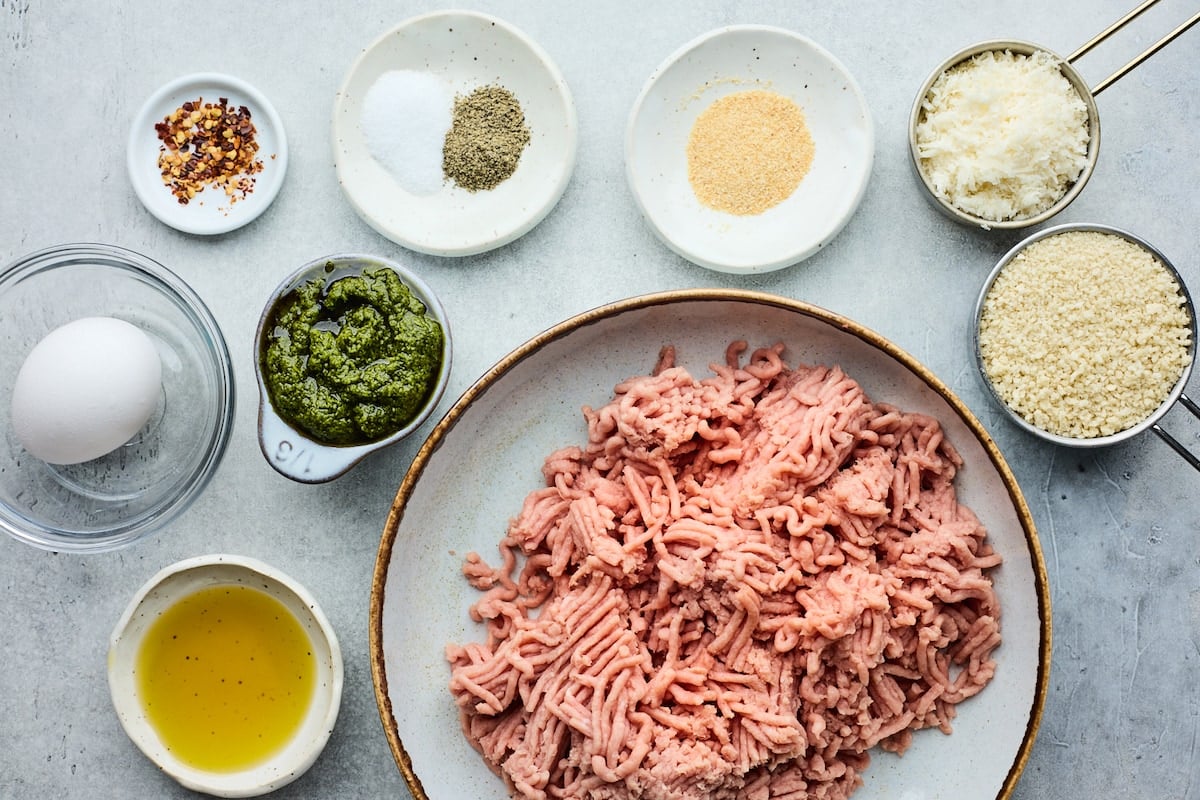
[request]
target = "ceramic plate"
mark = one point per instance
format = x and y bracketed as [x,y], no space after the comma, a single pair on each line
[467,50]
[473,472]
[738,59]
[211,211]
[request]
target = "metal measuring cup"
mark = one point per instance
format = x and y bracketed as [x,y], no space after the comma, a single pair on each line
[1152,422]
[1086,93]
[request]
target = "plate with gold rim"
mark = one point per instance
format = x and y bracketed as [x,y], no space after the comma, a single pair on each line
[472,473]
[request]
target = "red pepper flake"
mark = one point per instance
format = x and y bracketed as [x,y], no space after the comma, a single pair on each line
[208,144]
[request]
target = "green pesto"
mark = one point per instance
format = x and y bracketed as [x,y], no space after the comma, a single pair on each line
[352,361]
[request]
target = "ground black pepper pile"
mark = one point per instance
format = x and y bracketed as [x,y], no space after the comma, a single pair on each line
[486,139]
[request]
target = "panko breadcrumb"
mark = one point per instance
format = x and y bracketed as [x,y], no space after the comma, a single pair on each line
[1085,333]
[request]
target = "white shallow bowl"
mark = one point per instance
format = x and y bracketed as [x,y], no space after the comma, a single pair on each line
[727,61]
[168,587]
[211,211]
[467,50]
[486,454]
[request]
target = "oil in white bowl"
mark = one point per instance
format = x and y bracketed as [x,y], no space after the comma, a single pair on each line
[226,676]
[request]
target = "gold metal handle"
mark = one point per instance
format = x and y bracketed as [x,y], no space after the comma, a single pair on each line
[1116,26]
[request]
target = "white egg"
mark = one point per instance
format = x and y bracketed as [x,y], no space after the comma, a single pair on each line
[85,389]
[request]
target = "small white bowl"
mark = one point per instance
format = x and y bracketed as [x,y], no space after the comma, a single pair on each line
[467,50]
[723,62]
[168,587]
[211,211]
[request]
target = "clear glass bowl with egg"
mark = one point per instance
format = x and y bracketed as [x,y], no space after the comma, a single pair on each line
[79,500]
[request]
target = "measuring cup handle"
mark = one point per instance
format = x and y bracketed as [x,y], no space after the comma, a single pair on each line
[1174,443]
[298,457]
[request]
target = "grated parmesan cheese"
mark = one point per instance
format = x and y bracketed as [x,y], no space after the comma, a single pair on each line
[1002,136]
[1085,333]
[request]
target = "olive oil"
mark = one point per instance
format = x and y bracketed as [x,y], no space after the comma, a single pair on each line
[226,676]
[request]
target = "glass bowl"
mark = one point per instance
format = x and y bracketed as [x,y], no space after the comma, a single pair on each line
[135,490]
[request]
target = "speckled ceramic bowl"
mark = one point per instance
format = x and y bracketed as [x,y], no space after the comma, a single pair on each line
[467,50]
[164,590]
[211,211]
[486,453]
[726,61]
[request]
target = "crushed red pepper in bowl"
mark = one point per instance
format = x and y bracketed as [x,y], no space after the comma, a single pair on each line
[208,144]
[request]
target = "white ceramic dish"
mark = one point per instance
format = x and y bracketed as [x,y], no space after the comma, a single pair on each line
[485,455]
[723,62]
[211,211]
[467,50]
[172,584]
